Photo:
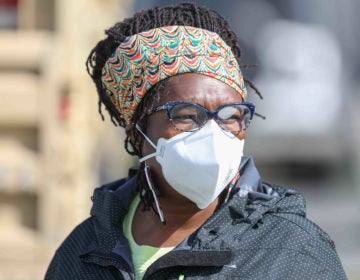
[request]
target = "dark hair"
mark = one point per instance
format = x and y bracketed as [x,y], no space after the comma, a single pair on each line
[188,14]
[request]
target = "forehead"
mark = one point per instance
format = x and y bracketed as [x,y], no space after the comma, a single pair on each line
[201,89]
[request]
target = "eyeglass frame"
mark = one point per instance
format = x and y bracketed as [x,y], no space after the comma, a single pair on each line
[209,114]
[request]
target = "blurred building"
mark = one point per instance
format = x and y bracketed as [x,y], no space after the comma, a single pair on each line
[51,143]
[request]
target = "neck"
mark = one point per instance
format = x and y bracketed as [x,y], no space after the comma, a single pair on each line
[185,215]
[181,221]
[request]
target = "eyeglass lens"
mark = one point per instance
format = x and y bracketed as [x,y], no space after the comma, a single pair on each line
[189,117]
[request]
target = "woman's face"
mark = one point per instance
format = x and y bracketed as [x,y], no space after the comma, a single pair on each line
[203,90]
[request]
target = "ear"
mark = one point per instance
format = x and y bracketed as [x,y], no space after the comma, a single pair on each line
[133,134]
[130,131]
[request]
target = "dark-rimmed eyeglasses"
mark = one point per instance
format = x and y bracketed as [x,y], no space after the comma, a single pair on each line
[187,116]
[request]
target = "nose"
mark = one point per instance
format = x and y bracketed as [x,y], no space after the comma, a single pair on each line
[212,124]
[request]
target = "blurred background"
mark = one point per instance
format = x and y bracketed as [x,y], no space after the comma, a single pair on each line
[54,149]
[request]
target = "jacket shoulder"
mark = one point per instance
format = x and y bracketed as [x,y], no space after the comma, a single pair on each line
[281,242]
[314,252]
[98,231]
[66,263]
[290,242]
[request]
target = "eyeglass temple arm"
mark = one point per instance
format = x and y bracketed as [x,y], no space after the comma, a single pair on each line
[156,109]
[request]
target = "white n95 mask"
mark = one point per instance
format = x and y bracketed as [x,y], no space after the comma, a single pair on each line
[199,165]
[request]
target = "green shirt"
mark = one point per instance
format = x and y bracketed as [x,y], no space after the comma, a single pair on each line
[142,255]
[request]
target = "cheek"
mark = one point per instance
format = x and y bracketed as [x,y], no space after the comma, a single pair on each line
[147,148]
[158,126]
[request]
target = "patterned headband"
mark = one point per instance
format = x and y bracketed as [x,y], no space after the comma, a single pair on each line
[144,59]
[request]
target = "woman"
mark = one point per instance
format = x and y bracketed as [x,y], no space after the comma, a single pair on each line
[195,208]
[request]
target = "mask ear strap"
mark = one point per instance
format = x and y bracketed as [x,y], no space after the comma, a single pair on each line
[147,157]
[150,142]
[232,185]
[151,186]
[147,138]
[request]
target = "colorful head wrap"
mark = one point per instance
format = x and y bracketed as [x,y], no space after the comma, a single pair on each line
[144,59]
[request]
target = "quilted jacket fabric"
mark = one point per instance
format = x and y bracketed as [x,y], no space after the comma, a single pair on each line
[261,233]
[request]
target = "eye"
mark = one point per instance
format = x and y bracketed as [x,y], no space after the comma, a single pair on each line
[234,117]
[187,116]
[185,112]
[231,113]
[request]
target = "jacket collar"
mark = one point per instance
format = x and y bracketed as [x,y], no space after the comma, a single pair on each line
[250,184]
[110,205]
[111,202]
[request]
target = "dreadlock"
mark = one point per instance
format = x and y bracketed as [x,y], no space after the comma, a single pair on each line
[187,14]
